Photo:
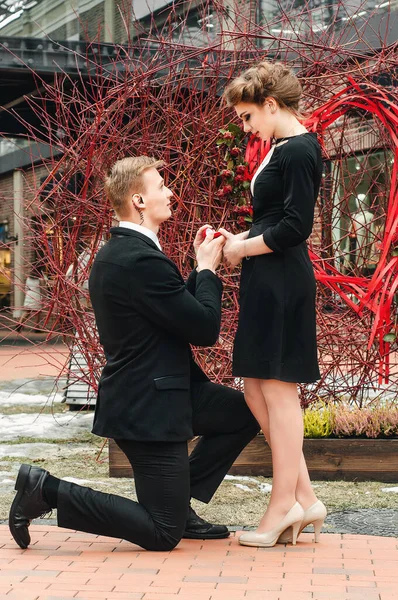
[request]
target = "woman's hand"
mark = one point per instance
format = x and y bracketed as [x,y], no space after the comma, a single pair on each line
[234,249]
[243,235]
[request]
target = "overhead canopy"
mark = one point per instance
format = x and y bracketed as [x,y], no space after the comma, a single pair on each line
[12,9]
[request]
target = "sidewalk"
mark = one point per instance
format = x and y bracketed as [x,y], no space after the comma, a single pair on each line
[65,564]
[28,357]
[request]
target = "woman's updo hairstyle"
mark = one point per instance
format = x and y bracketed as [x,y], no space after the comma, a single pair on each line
[265,80]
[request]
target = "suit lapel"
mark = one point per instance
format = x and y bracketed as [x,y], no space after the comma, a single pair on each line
[137,234]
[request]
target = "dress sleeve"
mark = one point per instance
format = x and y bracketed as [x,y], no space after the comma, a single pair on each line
[297,166]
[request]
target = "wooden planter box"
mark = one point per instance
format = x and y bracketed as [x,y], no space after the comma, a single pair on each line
[327,459]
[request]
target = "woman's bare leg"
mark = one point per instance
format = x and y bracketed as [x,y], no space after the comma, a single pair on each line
[290,474]
[257,404]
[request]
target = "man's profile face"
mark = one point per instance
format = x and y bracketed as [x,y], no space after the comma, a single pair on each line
[157,197]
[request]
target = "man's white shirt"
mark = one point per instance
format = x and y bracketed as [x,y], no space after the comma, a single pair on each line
[144,230]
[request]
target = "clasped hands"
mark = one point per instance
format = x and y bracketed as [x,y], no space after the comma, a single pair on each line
[210,250]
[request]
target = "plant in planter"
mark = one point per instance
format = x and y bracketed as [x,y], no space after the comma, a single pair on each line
[380,421]
[341,442]
[318,421]
[342,421]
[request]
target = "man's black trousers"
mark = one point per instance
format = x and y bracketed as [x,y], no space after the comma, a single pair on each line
[165,478]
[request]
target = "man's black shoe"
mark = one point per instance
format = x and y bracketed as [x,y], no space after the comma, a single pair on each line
[199,529]
[28,504]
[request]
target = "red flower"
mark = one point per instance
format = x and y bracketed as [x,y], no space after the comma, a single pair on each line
[239,178]
[243,210]
[227,189]
[226,173]
[241,221]
[240,169]
[228,135]
[220,193]
[235,151]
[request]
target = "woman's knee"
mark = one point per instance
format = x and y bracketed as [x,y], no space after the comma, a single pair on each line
[278,393]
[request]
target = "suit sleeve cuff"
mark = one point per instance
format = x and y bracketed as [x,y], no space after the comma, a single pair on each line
[206,273]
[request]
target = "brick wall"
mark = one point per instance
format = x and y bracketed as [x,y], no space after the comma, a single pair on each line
[120,33]
[31,181]
[91,22]
[7,201]
[60,34]
[7,214]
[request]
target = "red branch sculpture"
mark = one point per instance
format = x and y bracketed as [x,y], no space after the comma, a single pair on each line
[160,96]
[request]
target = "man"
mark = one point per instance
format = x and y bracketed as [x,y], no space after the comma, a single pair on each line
[152,397]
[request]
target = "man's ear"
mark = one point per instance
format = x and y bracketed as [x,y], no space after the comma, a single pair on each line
[137,200]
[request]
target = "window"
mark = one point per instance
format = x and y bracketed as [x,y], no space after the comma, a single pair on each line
[361,185]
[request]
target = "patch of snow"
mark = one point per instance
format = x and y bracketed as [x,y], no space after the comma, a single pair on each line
[394,490]
[240,478]
[34,451]
[60,426]
[243,487]
[42,385]
[264,488]
[11,399]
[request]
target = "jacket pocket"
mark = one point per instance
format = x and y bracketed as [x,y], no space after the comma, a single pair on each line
[172,382]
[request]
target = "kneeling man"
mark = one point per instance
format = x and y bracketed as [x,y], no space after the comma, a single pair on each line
[152,396]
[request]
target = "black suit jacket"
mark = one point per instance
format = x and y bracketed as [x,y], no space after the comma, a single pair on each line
[147,317]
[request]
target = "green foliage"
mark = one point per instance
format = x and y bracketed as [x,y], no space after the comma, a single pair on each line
[390,337]
[318,421]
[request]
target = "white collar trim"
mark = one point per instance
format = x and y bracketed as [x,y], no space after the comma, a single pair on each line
[144,230]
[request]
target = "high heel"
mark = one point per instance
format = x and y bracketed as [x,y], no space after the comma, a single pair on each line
[314,515]
[292,519]
[317,528]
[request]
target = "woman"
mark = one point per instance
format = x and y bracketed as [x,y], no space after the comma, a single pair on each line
[275,344]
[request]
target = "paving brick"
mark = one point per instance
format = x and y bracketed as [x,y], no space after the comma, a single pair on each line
[55,595]
[145,588]
[227,594]
[64,564]
[152,596]
[201,578]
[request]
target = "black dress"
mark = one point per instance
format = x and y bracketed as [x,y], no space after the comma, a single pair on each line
[276,336]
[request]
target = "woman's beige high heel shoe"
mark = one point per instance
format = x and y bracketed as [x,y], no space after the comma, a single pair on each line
[292,519]
[314,515]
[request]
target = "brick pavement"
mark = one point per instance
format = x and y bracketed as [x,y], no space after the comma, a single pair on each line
[31,361]
[64,564]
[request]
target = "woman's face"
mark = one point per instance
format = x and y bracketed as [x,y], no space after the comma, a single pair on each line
[258,119]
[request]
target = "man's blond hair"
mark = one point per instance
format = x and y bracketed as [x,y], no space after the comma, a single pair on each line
[125,177]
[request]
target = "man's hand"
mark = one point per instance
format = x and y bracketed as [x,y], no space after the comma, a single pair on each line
[234,249]
[209,253]
[200,237]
